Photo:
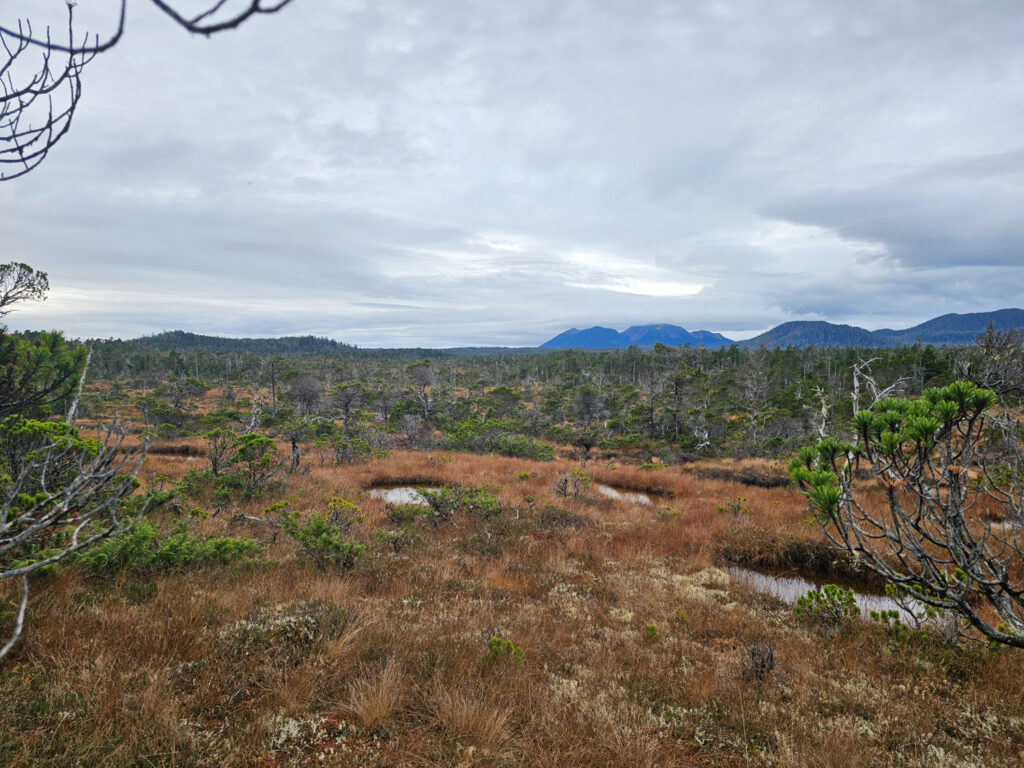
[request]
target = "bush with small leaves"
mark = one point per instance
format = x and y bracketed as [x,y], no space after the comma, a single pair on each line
[144,549]
[258,462]
[24,441]
[734,509]
[398,539]
[555,518]
[444,503]
[321,535]
[403,514]
[938,459]
[503,651]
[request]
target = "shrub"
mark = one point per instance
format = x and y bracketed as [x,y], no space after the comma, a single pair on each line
[522,447]
[499,650]
[444,503]
[573,484]
[23,442]
[403,514]
[553,517]
[398,538]
[321,536]
[734,509]
[827,607]
[256,457]
[145,550]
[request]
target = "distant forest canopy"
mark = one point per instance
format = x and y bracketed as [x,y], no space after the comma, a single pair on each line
[663,401]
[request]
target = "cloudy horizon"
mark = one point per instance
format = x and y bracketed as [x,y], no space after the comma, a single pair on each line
[396,175]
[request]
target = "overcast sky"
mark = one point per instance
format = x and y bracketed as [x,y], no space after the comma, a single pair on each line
[446,173]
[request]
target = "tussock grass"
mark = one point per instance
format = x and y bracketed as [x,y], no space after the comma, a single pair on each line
[284,665]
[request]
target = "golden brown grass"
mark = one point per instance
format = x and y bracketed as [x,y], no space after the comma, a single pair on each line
[106,677]
[374,696]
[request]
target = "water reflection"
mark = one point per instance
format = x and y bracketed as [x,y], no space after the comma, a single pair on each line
[614,493]
[404,494]
[790,588]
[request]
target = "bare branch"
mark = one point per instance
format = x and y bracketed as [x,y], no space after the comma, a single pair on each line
[19,622]
[36,112]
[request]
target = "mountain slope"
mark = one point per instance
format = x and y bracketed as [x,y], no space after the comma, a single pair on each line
[589,338]
[599,337]
[286,345]
[947,330]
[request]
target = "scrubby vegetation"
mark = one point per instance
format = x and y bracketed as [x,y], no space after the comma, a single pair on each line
[559,592]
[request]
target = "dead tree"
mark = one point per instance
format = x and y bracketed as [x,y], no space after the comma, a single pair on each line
[862,373]
[41,79]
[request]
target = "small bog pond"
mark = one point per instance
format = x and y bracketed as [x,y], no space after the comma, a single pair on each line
[621,495]
[404,494]
[790,588]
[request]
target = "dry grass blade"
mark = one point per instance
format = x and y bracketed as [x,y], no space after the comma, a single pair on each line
[471,717]
[375,696]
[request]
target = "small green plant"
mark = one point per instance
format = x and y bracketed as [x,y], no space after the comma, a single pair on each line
[890,620]
[403,514]
[665,513]
[827,607]
[524,475]
[734,509]
[398,539]
[650,632]
[499,650]
[680,616]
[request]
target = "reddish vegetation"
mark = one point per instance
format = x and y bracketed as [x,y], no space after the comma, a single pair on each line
[637,650]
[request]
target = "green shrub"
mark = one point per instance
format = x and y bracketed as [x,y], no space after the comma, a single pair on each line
[398,538]
[503,651]
[257,461]
[321,535]
[521,447]
[22,442]
[827,607]
[444,503]
[734,509]
[403,514]
[144,549]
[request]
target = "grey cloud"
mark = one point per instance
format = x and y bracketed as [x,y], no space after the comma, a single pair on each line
[466,173]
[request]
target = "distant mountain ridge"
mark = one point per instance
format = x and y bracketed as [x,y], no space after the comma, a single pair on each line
[946,330]
[599,337]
